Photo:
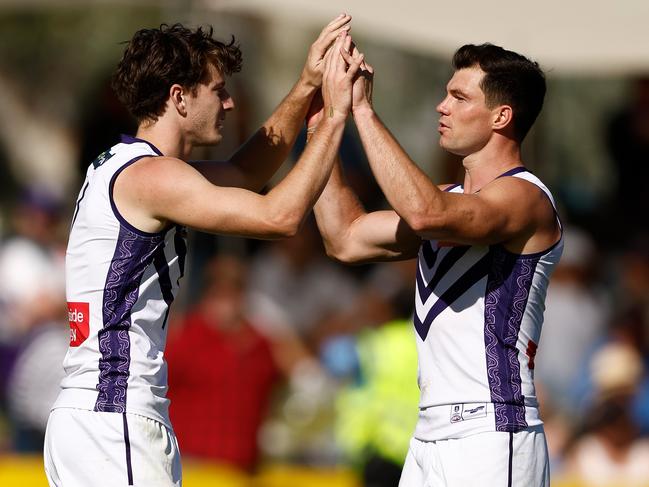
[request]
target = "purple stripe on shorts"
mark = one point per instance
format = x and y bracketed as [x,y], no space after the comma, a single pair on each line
[507,292]
[127,444]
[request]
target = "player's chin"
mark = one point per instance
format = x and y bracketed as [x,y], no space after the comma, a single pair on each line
[444,143]
[213,139]
[453,149]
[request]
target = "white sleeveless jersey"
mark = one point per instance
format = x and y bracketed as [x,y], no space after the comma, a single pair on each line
[478,317]
[120,283]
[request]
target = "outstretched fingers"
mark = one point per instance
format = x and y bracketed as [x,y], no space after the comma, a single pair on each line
[331,31]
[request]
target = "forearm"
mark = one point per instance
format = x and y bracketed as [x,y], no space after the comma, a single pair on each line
[336,210]
[260,157]
[295,195]
[352,235]
[407,188]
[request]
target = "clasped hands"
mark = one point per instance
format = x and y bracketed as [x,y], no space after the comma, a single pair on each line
[347,82]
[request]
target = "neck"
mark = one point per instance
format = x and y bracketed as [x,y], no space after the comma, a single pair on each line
[167,138]
[490,162]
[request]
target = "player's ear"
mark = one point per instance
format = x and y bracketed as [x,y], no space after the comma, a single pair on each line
[502,116]
[177,98]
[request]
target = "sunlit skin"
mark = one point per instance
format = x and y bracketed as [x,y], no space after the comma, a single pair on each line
[492,210]
[465,121]
[206,108]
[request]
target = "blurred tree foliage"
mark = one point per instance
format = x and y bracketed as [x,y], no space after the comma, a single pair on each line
[65,51]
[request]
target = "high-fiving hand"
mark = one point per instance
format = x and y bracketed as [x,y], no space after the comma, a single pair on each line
[363,83]
[338,79]
[314,66]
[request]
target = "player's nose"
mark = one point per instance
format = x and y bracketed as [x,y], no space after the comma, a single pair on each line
[442,107]
[228,103]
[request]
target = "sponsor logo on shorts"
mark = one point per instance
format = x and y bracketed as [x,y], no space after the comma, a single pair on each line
[79,318]
[463,412]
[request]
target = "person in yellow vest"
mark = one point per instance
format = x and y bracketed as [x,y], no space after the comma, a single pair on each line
[376,415]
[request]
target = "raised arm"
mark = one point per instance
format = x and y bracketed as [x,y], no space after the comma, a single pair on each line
[350,234]
[155,192]
[255,162]
[507,210]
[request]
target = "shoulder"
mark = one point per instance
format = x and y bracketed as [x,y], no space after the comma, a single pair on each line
[512,188]
[146,189]
[150,164]
[156,173]
[520,199]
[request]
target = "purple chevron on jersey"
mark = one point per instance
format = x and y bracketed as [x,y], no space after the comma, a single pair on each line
[133,253]
[428,253]
[475,273]
[445,264]
[508,287]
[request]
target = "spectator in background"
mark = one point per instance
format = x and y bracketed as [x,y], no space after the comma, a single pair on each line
[377,413]
[33,340]
[377,410]
[32,283]
[630,328]
[610,452]
[33,384]
[575,319]
[293,283]
[221,372]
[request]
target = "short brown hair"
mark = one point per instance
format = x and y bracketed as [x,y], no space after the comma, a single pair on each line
[155,59]
[509,78]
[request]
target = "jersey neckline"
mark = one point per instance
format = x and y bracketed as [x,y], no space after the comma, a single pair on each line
[129,139]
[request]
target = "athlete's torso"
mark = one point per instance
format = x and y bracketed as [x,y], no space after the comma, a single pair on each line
[478,317]
[120,282]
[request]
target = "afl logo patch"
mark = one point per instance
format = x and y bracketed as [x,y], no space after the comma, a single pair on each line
[456,413]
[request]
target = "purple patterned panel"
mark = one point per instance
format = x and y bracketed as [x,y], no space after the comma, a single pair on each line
[507,292]
[133,254]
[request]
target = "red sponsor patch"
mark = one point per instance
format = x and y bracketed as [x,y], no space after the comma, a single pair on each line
[79,317]
[531,353]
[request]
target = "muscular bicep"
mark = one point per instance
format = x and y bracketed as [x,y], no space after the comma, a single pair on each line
[223,173]
[508,211]
[379,236]
[161,191]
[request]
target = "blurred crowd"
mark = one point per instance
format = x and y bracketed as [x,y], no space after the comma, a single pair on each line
[278,354]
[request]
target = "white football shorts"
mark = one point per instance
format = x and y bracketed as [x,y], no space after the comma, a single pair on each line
[88,448]
[491,459]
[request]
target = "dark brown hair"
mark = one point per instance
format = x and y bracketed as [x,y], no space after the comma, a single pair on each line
[155,59]
[510,79]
